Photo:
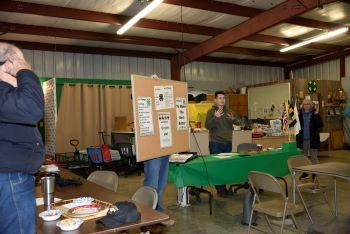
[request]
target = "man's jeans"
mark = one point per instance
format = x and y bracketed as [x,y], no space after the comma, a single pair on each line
[17,203]
[156,176]
[217,148]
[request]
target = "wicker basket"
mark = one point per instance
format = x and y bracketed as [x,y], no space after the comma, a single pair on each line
[103,212]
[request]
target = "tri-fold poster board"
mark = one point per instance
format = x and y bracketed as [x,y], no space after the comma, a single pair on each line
[161,122]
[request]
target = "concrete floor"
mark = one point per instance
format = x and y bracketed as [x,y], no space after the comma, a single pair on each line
[227,212]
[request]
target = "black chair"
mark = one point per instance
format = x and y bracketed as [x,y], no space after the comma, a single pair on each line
[128,159]
[243,147]
[74,161]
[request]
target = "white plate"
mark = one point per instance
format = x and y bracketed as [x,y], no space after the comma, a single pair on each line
[51,215]
[69,224]
[82,201]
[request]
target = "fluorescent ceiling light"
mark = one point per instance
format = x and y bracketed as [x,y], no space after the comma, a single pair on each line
[317,38]
[150,7]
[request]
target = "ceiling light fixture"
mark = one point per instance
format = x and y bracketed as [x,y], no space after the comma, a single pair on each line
[150,7]
[321,37]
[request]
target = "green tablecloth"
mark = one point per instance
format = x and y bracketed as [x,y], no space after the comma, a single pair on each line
[210,170]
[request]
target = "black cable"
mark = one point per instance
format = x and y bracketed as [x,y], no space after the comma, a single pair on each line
[205,164]
[208,181]
[201,155]
[176,207]
[182,40]
[173,207]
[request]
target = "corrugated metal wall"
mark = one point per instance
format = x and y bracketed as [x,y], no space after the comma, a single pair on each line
[323,71]
[347,66]
[203,75]
[199,74]
[74,65]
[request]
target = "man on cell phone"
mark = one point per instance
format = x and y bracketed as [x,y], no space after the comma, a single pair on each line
[21,147]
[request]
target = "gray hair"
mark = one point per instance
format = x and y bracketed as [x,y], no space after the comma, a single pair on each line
[307,101]
[7,50]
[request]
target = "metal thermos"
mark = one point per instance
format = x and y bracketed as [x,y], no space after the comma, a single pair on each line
[48,190]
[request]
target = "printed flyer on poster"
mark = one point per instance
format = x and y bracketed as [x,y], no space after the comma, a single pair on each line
[144,107]
[165,129]
[181,114]
[164,97]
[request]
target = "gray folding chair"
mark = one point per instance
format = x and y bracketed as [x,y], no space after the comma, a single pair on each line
[313,186]
[279,207]
[106,179]
[147,196]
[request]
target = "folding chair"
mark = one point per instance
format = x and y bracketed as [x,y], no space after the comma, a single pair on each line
[279,207]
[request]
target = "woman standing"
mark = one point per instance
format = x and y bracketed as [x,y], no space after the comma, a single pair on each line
[308,137]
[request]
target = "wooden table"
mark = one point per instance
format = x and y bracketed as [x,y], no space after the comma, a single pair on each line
[271,141]
[332,169]
[148,215]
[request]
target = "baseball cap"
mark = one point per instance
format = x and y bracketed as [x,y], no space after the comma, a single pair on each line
[127,213]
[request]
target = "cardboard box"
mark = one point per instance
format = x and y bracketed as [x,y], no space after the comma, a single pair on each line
[123,123]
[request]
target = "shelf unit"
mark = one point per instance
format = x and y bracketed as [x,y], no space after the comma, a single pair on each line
[238,103]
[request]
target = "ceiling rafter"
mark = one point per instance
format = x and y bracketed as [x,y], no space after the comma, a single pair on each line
[101,17]
[93,16]
[269,18]
[87,49]
[129,53]
[238,10]
[319,59]
[288,41]
[107,37]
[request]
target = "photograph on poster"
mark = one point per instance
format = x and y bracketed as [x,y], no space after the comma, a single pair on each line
[164,97]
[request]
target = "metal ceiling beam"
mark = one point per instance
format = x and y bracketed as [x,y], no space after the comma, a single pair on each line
[275,15]
[260,53]
[101,17]
[342,67]
[93,16]
[217,6]
[244,11]
[129,53]
[87,35]
[319,59]
[107,37]
[240,61]
[287,41]
[87,49]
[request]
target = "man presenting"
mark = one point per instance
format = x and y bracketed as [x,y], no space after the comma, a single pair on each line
[219,122]
[21,147]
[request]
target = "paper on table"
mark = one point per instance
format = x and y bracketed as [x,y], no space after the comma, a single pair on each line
[228,154]
[51,168]
[221,157]
[40,201]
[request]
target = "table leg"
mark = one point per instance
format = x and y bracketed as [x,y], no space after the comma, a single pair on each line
[183,197]
[335,197]
[293,185]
